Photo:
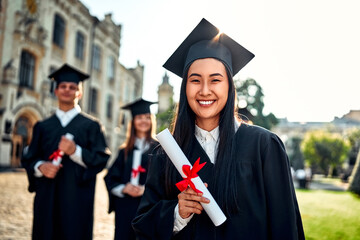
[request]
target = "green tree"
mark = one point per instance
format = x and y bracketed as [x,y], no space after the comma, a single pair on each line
[295,154]
[353,135]
[164,119]
[354,139]
[325,150]
[251,96]
[355,177]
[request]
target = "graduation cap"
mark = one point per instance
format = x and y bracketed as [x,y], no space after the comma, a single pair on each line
[139,106]
[205,41]
[66,73]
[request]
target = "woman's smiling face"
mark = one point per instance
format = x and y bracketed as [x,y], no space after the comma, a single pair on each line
[142,124]
[207,91]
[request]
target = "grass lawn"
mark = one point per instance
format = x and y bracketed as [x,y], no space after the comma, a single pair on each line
[329,215]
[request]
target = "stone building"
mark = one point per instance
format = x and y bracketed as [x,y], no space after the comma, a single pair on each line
[37,37]
[350,118]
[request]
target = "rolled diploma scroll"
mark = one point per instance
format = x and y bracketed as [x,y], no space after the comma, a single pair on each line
[135,165]
[57,161]
[179,159]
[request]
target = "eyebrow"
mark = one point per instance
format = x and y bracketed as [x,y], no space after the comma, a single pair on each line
[67,85]
[215,74]
[195,74]
[211,75]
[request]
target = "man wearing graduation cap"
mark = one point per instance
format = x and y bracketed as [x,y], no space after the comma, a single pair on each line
[67,150]
[247,169]
[126,177]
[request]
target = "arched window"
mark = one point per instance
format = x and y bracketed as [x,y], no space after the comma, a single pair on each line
[20,140]
[27,68]
[21,127]
[59,31]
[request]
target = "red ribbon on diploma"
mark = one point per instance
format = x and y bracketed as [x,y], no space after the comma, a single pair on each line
[190,173]
[135,172]
[57,154]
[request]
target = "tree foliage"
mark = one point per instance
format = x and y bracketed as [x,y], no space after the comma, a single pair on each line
[355,178]
[354,139]
[251,96]
[164,119]
[295,155]
[353,135]
[325,150]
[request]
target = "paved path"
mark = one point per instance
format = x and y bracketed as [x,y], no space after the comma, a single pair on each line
[16,208]
[321,183]
[316,185]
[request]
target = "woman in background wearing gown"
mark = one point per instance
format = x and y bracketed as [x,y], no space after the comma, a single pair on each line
[247,169]
[124,181]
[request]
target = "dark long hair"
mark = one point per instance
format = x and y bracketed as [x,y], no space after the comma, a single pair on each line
[225,166]
[131,135]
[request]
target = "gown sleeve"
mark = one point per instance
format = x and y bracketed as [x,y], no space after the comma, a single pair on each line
[96,154]
[155,215]
[281,200]
[114,177]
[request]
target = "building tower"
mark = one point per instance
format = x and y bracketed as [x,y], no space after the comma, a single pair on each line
[165,94]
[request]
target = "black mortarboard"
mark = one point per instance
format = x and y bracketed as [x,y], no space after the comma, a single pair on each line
[139,106]
[205,42]
[67,73]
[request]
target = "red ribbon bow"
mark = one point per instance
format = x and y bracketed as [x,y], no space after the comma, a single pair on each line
[190,173]
[56,155]
[135,172]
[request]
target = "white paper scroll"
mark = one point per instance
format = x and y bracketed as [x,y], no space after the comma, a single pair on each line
[57,160]
[179,159]
[135,165]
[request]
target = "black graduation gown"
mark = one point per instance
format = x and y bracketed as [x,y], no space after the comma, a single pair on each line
[64,206]
[267,202]
[125,207]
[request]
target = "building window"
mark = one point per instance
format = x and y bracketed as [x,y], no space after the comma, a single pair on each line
[27,69]
[59,31]
[123,120]
[93,100]
[96,59]
[111,68]
[79,46]
[109,106]
[52,82]
[126,92]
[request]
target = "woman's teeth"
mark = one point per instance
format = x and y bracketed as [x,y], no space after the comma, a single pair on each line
[206,102]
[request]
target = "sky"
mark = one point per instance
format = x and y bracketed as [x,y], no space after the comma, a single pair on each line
[307,52]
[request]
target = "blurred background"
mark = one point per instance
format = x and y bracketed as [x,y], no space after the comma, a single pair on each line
[302,84]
